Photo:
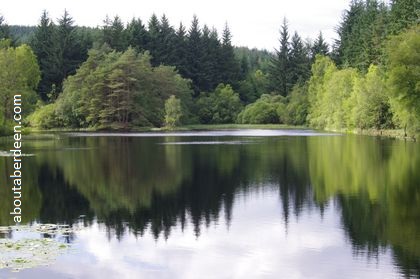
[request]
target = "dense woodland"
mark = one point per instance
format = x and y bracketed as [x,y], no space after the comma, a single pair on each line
[154,74]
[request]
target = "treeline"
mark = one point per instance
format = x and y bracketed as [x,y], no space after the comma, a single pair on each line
[115,90]
[199,54]
[374,82]
[369,80]
[360,82]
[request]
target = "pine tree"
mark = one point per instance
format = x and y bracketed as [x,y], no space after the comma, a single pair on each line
[180,50]
[214,46]
[154,36]
[122,84]
[362,34]
[349,39]
[45,47]
[137,35]
[70,51]
[4,29]
[404,13]
[298,59]
[244,69]
[114,34]
[229,65]
[210,67]
[166,42]
[319,46]
[279,67]
[195,55]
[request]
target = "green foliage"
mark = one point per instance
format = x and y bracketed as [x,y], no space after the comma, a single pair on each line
[44,46]
[372,107]
[4,29]
[322,70]
[45,117]
[113,33]
[229,65]
[119,90]
[338,102]
[279,73]
[21,34]
[297,107]
[291,62]
[298,60]
[60,49]
[320,47]
[256,59]
[198,54]
[19,74]
[173,112]
[343,99]
[137,35]
[253,86]
[361,34]
[403,69]
[220,106]
[404,13]
[364,28]
[267,109]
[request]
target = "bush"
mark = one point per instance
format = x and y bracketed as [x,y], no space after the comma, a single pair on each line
[266,110]
[45,117]
[297,108]
[221,106]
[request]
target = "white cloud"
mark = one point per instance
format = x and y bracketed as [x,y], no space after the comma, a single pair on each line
[255,246]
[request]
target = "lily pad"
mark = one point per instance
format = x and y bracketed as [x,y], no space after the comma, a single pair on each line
[17,254]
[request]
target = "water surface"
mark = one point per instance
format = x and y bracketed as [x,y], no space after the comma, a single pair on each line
[222,204]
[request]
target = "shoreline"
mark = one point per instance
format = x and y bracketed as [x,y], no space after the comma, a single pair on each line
[396,133]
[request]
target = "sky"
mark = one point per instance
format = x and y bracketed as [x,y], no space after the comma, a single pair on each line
[305,250]
[252,23]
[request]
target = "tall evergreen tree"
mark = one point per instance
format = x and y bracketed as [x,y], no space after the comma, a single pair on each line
[195,55]
[208,62]
[70,51]
[45,47]
[378,34]
[229,65]
[180,50]
[244,67]
[215,54]
[362,34]
[166,42]
[279,67]
[404,13]
[348,41]
[320,46]
[298,60]
[137,36]
[4,29]
[114,34]
[154,36]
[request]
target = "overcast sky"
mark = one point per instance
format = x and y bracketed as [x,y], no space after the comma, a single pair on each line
[253,23]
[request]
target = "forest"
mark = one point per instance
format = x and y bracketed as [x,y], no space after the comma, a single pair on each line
[155,74]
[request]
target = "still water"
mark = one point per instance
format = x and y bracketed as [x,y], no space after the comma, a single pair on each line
[221,204]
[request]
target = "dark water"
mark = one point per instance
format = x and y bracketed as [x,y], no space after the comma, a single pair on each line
[238,204]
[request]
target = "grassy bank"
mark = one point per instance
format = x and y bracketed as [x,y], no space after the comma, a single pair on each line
[396,133]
